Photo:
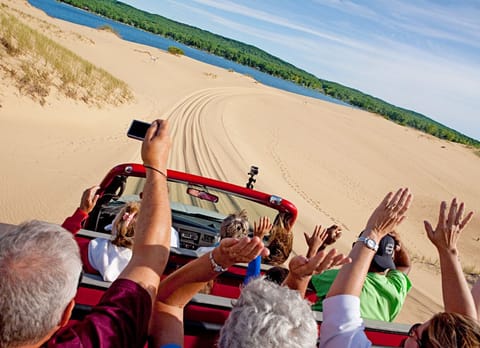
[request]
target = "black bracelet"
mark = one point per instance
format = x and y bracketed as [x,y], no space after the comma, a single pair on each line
[155,169]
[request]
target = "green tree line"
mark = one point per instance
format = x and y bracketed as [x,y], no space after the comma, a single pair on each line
[256,58]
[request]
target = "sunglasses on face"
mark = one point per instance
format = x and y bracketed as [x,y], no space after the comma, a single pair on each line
[421,339]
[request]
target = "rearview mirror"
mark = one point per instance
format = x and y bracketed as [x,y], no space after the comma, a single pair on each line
[202,195]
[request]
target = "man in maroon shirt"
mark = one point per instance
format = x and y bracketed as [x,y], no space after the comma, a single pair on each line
[40,267]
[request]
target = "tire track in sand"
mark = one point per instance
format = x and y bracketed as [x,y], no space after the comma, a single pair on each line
[200,141]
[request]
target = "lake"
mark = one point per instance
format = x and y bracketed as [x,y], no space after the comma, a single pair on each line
[75,15]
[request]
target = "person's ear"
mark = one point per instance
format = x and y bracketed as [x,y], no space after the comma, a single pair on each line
[67,313]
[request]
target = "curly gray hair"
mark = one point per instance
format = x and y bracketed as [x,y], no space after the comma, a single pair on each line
[39,270]
[268,315]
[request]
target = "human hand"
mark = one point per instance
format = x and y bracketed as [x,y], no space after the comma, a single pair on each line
[156,145]
[447,232]
[315,241]
[334,232]
[89,199]
[264,225]
[390,213]
[396,237]
[233,250]
[301,267]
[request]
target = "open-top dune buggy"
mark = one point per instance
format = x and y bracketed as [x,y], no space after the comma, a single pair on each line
[198,206]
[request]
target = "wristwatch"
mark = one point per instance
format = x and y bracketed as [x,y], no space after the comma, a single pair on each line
[369,243]
[216,267]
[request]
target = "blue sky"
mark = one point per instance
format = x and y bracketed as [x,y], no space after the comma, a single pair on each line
[420,55]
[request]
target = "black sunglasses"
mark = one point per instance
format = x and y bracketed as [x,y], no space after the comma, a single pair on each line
[421,340]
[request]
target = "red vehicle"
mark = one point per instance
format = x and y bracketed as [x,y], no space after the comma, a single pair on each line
[198,206]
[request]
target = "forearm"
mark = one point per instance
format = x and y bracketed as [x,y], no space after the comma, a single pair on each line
[73,223]
[312,251]
[166,326]
[299,284]
[152,235]
[351,277]
[402,260]
[457,297]
[180,286]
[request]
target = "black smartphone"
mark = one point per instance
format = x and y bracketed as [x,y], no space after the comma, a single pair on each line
[138,129]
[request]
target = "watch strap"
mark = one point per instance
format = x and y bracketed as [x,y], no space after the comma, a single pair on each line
[369,243]
[215,266]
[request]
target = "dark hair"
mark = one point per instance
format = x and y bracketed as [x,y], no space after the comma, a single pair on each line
[276,274]
[451,330]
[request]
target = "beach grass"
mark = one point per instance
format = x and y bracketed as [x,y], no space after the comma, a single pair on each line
[108,28]
[39,65]
[471,271]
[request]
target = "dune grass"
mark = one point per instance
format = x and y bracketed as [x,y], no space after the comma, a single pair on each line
[108,28]
[471,271]
[39,65]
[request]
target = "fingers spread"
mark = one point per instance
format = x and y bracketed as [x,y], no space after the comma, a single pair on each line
[441,215]
[428,229]
[452,213]
[466,220]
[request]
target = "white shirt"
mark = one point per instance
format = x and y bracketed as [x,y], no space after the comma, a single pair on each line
[107,258]
[342,326]
[174,238]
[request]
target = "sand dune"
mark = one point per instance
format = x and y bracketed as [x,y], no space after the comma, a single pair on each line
[335,163]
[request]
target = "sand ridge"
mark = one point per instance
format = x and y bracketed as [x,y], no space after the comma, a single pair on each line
[334,163]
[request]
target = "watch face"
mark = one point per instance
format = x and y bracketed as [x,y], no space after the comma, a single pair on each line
[371,243]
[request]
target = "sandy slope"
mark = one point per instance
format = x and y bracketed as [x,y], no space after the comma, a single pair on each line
[335,163]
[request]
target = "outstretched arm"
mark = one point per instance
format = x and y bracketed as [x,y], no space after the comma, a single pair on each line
[178,288]
[389,214]
[456,294]
[152,232]
[89,198]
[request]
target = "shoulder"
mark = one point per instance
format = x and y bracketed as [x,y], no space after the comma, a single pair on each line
[342,311]
[122,314]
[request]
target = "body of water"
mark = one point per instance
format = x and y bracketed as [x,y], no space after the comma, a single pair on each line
[72,14]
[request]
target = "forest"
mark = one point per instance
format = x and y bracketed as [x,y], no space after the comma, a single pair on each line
[256,58]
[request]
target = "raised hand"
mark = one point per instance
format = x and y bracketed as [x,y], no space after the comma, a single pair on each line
[156,146]
[315,241]
[264,225]
[334,232]
[390,213]
[232,250]
[301,267]
[89,199]
[449,226]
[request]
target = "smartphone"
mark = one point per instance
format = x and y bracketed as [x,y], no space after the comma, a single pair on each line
[138,129]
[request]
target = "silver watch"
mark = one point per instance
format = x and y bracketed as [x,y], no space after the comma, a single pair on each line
[369,243]
[216,267]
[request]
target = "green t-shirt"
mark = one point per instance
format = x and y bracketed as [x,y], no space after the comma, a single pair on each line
[382,296]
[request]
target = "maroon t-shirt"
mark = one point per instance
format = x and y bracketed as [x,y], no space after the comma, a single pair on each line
[119,320]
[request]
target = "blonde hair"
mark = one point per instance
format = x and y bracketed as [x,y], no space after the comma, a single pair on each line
[451,330]
[123,231]
[280,242]
[235,225]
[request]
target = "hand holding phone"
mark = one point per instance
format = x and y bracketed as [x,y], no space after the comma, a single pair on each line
[138,129]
